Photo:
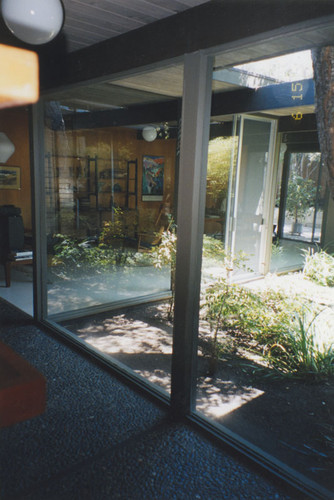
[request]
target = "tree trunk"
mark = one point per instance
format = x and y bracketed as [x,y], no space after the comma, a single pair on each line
[323,65]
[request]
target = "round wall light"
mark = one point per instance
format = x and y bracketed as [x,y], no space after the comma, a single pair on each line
[33,21]
[149,133]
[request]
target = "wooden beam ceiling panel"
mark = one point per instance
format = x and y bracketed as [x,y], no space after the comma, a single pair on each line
[165,81]
[91,26]
[87,12]
[147,12]
[120,15]
[105,94]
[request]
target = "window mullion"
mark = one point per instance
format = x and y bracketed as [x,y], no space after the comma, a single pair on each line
[190,221]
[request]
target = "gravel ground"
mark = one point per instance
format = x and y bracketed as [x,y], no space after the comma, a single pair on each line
[100,439]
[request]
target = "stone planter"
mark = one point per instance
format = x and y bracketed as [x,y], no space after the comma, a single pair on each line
[297,228]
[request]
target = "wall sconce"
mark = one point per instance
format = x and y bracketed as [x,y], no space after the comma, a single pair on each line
[149,133]
[33,21]
[7,148]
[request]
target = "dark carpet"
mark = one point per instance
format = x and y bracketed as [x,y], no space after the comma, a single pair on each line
[101,439]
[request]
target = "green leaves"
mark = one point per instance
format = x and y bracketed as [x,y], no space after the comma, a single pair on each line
[319,267]
[281,328]
[303,354]
[300,197]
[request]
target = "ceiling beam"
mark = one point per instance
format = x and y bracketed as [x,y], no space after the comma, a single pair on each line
[149,113]
[278,96]
[283,95]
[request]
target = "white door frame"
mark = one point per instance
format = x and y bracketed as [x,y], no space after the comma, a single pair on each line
[269,193]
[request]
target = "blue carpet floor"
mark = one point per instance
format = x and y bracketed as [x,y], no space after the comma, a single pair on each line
[100,439]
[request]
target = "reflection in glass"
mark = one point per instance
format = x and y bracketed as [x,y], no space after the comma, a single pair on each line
[110,211]
[265,341]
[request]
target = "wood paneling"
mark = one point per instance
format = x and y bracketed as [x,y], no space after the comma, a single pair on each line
[14,123]
[89,22]
[113,145]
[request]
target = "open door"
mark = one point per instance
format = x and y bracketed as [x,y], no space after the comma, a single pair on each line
[249,216]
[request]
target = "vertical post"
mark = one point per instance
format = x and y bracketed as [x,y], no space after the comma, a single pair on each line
[38,210]
[195,125]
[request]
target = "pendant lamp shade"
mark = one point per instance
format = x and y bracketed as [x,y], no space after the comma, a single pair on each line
[149,133]
[7,148]
[33,21]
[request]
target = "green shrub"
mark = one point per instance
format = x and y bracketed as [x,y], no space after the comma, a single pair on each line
[163,255]
[272,324]
[213,248]
[319,267]
[260,317]
[72,256]
[301,353]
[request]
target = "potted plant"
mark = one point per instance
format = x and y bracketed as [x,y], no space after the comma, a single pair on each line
[300,197]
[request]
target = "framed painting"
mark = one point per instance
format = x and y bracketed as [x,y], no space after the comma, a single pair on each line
[153,178]
[10,177]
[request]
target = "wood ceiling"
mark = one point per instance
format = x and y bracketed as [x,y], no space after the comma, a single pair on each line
[90,21]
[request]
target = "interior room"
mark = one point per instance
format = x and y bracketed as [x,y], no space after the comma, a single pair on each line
[159,206]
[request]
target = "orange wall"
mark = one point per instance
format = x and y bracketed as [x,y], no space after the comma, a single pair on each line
[15,124]
[117,143]
[123,143]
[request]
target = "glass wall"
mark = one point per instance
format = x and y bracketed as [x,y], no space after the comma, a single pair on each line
[111,178]
[265,341]
[111,163]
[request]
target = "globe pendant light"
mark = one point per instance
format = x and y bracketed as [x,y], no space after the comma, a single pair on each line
[149,133]
[33,21]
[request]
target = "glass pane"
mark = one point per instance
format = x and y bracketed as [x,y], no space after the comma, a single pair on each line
[300,205]
[265,359]
[16,243]
[285,68]
[299,209]
[110,183]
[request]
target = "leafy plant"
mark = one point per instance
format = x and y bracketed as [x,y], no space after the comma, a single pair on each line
[67,251]
[276,248]
[164,254]
[319,267]
[222,299]
[300,197]
[270,323]
[299,353]
[219,163]
[72,255]
[112,230]
[213,248]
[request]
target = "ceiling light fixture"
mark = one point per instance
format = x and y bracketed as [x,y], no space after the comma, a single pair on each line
[33,21]
[149,133]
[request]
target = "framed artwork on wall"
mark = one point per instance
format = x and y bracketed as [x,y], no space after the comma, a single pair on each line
[153,178]
[10,177]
